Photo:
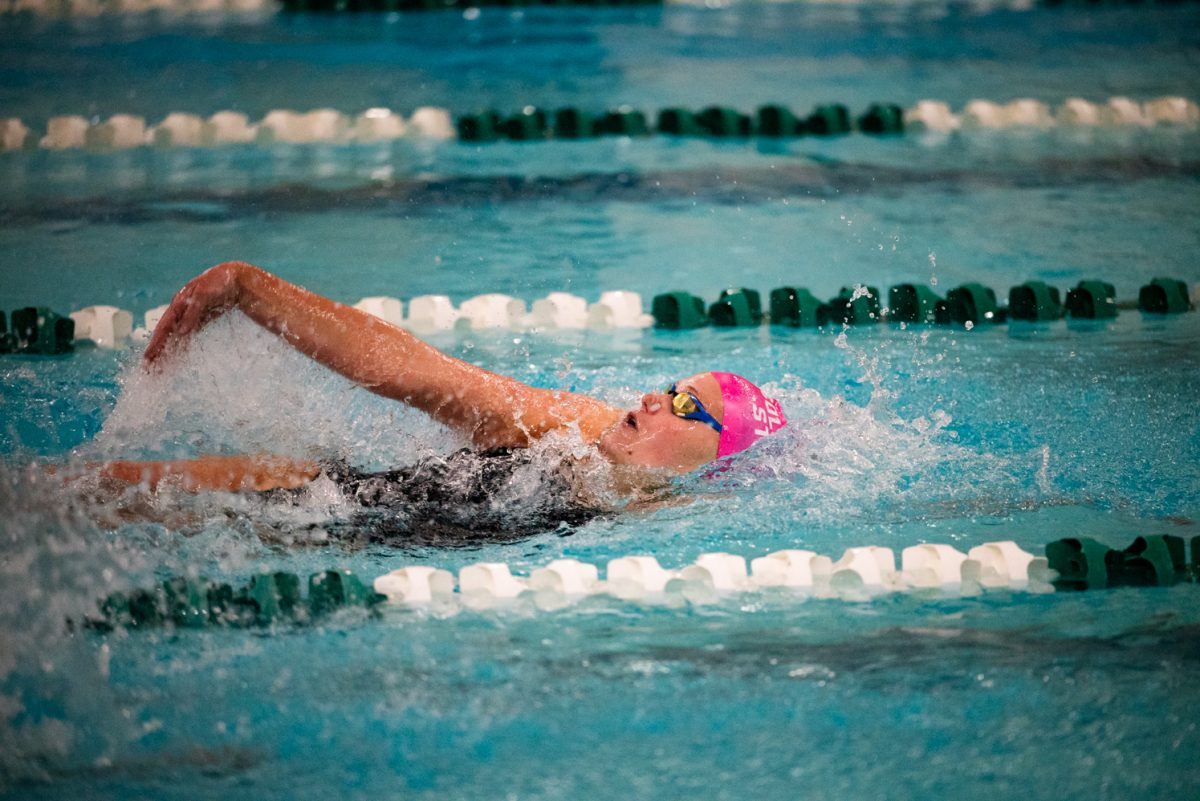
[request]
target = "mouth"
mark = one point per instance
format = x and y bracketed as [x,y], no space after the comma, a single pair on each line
[631,421]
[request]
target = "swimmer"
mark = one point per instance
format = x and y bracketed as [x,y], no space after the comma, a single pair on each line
[692,422]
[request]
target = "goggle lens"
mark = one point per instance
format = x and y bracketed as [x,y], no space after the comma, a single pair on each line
[683,403]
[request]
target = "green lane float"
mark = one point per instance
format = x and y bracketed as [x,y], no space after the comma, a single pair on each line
[721,122]
[1164,296]
[334,589]
[778,121]
[856,306]
[1081,563]
[678,122]
[916,303]
[624,121]
[1034,301]
[186,601]
[882,119]
[972,304]
[527,124]
[678,310]
[1156,561]
[571,123]
[796,307]
[832,119]
[266,599]
[39,331]
[484,126]
[1092,300]
[737,308]
[273,595]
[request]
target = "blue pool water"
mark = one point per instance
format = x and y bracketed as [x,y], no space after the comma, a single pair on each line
[899,436]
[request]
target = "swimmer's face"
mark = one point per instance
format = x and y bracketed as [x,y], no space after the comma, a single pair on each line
[653,436]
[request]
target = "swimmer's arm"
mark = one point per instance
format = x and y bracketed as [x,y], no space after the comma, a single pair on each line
[492,409]
[228,473]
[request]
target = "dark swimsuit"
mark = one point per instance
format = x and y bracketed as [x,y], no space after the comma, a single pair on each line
[466,498]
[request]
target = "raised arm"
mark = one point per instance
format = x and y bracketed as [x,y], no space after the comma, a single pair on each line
[492,409]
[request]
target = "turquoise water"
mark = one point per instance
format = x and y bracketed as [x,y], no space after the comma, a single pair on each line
[899,436]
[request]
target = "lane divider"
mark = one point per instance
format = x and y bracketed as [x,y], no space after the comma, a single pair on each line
[861,574]
[95,8]
[969,305]
[467,7]
[530,123]
[40,331]
[179,129]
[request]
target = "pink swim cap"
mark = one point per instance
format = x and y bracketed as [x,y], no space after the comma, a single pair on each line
[749,414]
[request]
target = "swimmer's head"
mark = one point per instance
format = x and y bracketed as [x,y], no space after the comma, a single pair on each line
[705,417]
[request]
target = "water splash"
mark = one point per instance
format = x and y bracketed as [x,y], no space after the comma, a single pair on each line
[239,389]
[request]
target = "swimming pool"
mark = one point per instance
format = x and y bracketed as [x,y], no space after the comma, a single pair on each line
[901,435]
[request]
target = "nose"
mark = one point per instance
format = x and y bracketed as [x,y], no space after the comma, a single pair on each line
[652,402]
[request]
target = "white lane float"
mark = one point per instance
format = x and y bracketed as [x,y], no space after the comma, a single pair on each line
[484,584]
[722,572]
[861,574]
[177,130]
[869,569]
[931,116]
[997,565]
[417,584]
[432,123]
[431,313]
[118,132]
[636,577]
[1122,111]
[1028,113]
[566,577]
[983,114]
[228,127]
[492,310]
[797,569]
[390,310]
[377,125]
[559,310]
[14,134]
[107,326]
[618,309]
[64,133]
[1171,111]
[1077,112]
[932,566]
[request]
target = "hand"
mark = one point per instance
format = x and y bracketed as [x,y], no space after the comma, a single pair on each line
[201,299]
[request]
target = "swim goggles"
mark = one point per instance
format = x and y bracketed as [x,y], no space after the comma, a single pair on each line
[689,407]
